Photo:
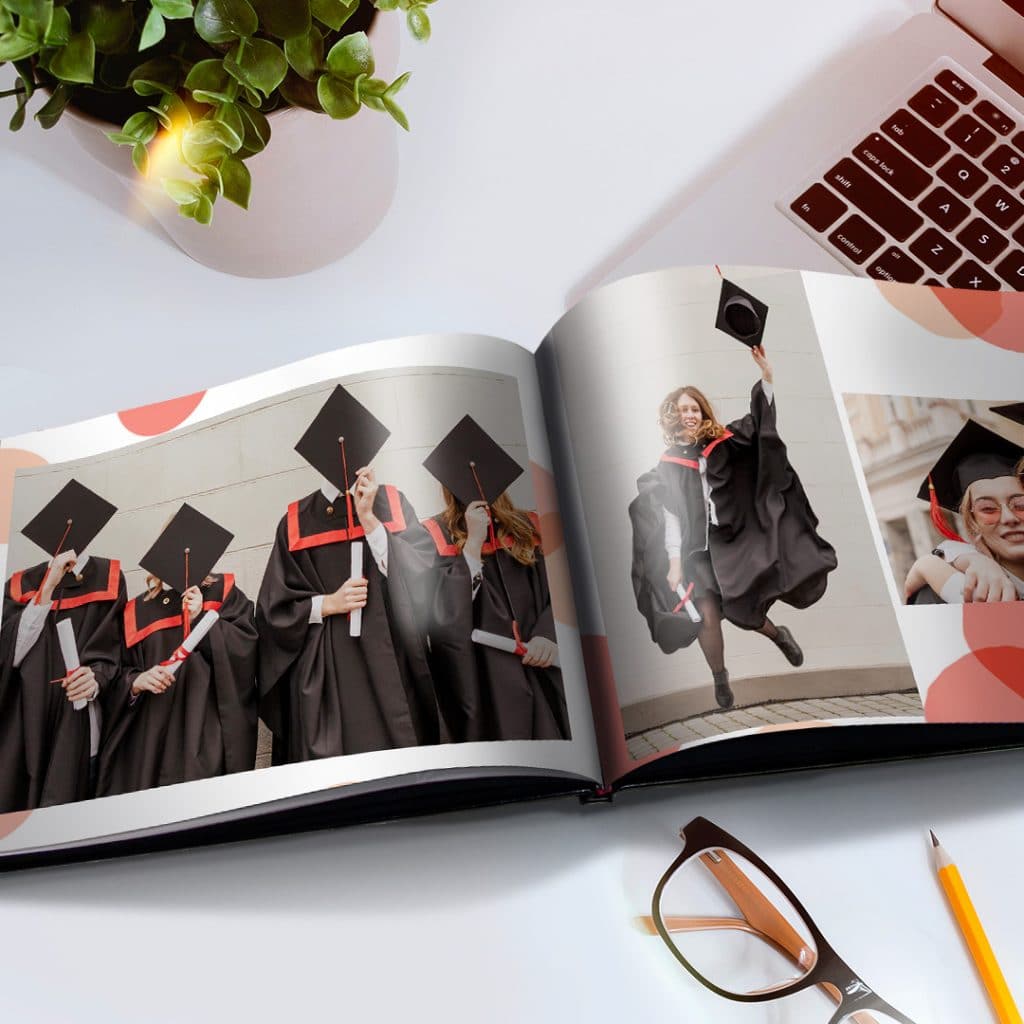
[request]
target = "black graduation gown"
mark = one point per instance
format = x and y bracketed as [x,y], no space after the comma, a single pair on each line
[322,692]
[765,546]
[44,741]
[205,724]
[483,693]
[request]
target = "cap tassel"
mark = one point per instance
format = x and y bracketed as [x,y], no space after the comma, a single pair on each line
[39,592]
[348,493]
[186,620]
[939,517]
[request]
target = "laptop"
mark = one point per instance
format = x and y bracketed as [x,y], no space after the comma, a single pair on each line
[909,167]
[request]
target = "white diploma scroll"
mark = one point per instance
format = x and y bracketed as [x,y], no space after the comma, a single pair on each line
[502,643]
[355,617]
[192,641]
[691,608]
[69,652]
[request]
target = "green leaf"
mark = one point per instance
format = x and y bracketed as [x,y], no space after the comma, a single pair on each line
[153,31]
[142,127]
[18,117]
[181,191]
[305,53]
[49,113]
[224,21]
[337,97]
[16,46]
[259,64]
[202,212]
[75,62]
[419,24]
[229,114]
[140,157]
[111,24]
[236,182]
[59,32]
[208,141]
[283,19]
[257,129]
[351,56]
[6,21]
[396,112]
[333,13]
[172,112]
[212,175]
[297,92]
[210,83]
[397,85]
[386,5]
[33,10]
[174,9]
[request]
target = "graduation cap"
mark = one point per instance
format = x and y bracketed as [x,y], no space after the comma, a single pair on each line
[186,550]
[70,520]
[343,437]
[471,464]
[976,453]
[1014,411]
[740,315]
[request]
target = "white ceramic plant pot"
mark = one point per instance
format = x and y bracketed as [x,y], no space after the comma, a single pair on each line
[319,189]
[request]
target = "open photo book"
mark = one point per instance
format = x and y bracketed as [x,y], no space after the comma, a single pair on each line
[722,521]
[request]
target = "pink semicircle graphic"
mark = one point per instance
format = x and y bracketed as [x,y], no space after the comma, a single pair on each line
[11,460]
[12,821]
[159,417]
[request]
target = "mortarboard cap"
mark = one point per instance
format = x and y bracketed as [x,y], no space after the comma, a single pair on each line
[976,453]
[1014,411]
[469,454]
[342,416]
[70,520]
[740,315]
[189,540]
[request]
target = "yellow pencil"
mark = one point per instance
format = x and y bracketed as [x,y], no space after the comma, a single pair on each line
[974,934]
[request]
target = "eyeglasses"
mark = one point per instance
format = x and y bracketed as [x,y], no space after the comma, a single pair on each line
[771,950]
[988,510]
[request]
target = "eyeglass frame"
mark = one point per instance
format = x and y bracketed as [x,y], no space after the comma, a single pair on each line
[829,971]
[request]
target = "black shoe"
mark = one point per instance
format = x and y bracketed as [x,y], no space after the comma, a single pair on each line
[723,692]
[785,642]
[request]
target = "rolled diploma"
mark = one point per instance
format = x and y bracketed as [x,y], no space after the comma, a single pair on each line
[191,642]
[355,617]
[691,608]
[69,652]
[501,643]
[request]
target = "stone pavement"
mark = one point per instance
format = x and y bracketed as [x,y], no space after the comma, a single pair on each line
[715,723]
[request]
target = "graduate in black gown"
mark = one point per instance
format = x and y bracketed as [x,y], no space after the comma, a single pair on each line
[197,720]
[736,529]
[51,717]
[343,661]
[980,478]
[490,576]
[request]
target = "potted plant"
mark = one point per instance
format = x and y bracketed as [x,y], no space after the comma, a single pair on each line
[180,98]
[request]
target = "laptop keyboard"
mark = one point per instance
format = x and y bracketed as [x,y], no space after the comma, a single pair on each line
[931,194]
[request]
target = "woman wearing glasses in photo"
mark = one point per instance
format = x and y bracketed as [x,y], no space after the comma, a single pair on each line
[981,478]
[739,531]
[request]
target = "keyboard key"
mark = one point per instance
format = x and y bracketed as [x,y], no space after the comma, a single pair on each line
[994,117]
[882,157]
[982,239]
[1007,165]
[961,175]
[894,264]
[969,275]
[856,238]
[1018,141]
[970,135]
[937,251]
[916,138]
[1011,269]
[955,86]
[932,282]
[999,206]
[935,107]
[819,207]
[874,200]
[944,208]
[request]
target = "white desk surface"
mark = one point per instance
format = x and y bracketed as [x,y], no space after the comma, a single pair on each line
[545,134]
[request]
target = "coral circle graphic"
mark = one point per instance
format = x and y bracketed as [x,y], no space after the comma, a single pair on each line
[11,460]
[13,820]
[993,317]
[158,418]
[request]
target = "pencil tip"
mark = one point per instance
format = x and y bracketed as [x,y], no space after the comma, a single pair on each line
[935,840]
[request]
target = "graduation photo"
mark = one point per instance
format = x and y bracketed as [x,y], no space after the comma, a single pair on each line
[946,478]
[354,567]
[733,560]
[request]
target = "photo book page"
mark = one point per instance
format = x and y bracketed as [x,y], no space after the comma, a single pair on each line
[344,572]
